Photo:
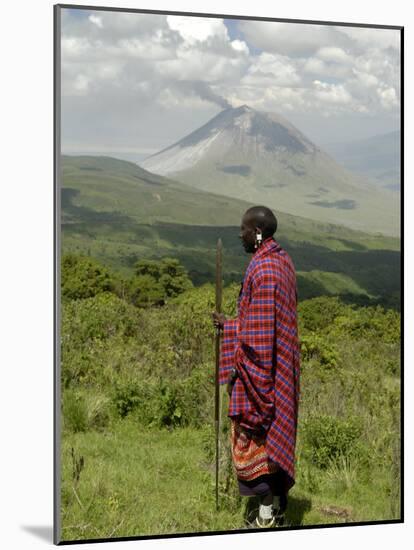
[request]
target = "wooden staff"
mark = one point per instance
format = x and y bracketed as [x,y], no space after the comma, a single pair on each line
[219,289]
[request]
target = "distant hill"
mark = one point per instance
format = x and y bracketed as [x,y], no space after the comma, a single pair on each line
[261,157]
[377,157]
[117,188]
[118,213]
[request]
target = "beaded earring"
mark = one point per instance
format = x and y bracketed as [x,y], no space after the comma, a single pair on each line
[259,239]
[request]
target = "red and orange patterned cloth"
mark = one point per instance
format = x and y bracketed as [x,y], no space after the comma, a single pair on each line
[262,345]
[249,455]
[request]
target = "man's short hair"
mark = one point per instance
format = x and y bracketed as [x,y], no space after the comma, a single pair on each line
[263,218]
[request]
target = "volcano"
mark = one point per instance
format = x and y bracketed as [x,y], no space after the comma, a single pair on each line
[261,157]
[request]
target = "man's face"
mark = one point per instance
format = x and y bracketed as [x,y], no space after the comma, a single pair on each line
[248,234]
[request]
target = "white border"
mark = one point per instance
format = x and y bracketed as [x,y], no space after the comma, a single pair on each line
[27,273]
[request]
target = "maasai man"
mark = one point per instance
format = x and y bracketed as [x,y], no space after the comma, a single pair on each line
[259,360]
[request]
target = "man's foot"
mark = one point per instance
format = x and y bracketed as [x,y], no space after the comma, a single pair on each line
[265,523]
[265,516]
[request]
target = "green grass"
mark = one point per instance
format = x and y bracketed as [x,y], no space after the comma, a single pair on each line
[139,481]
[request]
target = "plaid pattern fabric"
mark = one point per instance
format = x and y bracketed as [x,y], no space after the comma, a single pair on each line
[249,455]
[262,345]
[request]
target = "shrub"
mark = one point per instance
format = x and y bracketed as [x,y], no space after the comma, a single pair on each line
[370,323]
[314,346]
[128,395]
[327,438]
[166,403]
[83,277]
[99,317]
[319,313]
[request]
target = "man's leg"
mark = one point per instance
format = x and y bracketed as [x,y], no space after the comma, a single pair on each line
[267,500]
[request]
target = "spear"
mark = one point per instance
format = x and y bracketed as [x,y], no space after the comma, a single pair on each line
[219,285]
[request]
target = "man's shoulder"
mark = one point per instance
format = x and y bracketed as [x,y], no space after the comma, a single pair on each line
[275,263]
[267,267]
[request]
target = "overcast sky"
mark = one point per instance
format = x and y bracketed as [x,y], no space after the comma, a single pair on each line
[134,83]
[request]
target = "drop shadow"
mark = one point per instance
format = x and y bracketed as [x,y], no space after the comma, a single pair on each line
[44,532]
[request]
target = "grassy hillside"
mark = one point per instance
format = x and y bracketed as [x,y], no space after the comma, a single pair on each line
[117,212]
[138,429]
[315,187]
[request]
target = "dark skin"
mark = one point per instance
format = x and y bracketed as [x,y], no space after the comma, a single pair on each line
[248,235]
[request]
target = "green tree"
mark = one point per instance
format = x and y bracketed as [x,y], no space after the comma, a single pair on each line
[157,280]
[83,277]
[146,291]
[174,278]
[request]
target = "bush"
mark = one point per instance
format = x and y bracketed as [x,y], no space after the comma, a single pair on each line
[83,277]
[327,438]
[370,323]
[319,313]
[99,317]
[129,395]
[313,346]
[166,403]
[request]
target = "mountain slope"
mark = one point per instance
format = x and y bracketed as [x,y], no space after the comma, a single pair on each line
[118,213]
[105,189]
[261,158]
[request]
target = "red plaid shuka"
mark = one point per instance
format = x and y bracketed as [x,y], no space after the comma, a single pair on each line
[262,345]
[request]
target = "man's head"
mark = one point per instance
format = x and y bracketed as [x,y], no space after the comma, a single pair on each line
[258,220]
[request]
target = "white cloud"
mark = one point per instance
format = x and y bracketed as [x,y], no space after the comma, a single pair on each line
[150,63]
[240,46]
[314,65]
[271,70]
[372,38]
[334,54]
[194,29]
[331,93]
[200,65]
[289,38]
[318,67]
[96,20]
[388,98]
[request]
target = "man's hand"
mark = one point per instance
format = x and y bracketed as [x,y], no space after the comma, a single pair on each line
[218,320]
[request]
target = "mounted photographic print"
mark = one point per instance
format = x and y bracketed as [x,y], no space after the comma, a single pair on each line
[228,274]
